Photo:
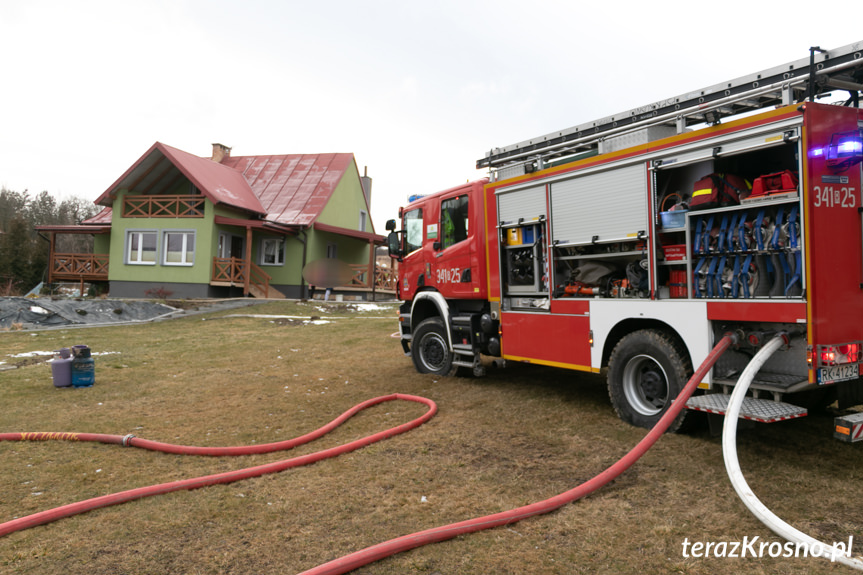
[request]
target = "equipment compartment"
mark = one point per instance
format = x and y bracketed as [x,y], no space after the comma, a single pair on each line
[751,249]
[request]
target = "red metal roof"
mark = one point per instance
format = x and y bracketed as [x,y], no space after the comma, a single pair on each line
[286,189]
[98,224]
[158,171]
[102,218]
[293,189]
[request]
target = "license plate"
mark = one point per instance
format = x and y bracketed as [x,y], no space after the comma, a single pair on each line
[838,373]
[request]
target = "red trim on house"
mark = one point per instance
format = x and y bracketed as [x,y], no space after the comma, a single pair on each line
[75,229]
[368,236]
[255,224]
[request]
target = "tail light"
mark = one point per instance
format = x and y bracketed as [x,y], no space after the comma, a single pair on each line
[827,355]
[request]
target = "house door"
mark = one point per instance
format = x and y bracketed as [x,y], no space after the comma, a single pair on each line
[231,246]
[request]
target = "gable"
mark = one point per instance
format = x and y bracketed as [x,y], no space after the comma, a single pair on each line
[161,167]
[348,201]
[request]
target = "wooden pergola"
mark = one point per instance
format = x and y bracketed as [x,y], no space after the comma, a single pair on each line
[75,267]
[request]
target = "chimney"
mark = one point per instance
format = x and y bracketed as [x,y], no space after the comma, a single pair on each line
[367,186]
[220,151]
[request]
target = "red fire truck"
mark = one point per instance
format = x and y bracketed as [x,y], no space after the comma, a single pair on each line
[636,241]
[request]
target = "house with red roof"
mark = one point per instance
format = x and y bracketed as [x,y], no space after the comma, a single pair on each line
[224,226]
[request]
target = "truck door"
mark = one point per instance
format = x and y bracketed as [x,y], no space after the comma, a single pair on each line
[412,268]
[451,269]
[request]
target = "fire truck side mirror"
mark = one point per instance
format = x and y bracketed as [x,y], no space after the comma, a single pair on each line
[391,225]
[394,244]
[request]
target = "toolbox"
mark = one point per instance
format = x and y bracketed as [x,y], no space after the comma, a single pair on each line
[848,428]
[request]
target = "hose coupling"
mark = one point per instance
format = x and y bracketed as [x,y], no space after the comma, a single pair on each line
[127,440]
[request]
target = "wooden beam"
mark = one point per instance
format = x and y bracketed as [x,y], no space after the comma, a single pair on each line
[159,176]
[52,244]
[248,277]
[144,174]
[371,275]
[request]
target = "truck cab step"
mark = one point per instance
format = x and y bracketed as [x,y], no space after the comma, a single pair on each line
[761,410]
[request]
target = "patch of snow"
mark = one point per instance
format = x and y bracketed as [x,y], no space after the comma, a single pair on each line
[31,354]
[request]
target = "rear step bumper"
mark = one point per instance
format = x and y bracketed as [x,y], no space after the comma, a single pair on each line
[762,410]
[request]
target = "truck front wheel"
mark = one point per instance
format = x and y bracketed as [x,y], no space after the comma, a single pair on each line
[647,370]
[430,348]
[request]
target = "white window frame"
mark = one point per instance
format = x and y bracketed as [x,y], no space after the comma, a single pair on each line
[185,256]
[364,219]
[332,251]
[280,253]
[136,258]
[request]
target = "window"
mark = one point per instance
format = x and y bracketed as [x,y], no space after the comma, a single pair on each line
[331,251]
[141,247]
[454,220]
[363,219]
[413,226]
[179,248]
[272,252]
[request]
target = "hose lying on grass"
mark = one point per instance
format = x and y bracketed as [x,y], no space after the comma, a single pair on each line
[375,552]
[220,478]
[735,475]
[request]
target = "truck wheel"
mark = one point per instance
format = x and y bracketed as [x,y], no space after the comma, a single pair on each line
[430,348]
[647,369]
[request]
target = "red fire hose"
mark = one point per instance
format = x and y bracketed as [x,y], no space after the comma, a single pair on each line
[228,477]
[407,542]
[375,552]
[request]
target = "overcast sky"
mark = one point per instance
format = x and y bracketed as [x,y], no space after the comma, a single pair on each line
[417,91]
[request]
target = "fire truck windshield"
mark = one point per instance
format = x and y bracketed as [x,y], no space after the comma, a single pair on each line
[413,227]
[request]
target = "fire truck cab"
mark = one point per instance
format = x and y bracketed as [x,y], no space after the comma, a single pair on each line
[634,242]
[443,281]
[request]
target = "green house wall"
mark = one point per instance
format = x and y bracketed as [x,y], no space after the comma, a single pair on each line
[102,244]
[343,210]
[205,247]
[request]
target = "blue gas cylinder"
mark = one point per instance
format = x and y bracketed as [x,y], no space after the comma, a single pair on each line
[83,367]
[61,367]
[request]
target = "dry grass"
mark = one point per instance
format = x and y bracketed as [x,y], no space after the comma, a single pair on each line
[515,437]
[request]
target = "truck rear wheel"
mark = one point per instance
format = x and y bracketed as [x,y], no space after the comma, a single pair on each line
[647,369]
[430,348]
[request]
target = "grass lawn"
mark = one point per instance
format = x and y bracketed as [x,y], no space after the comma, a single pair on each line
[517,436]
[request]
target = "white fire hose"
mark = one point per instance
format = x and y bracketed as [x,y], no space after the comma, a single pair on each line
[729,452]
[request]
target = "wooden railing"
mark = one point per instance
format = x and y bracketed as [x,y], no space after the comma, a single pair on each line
[79,267]
[385,278]
[163,207]
[229,270]
[261,280]
[233,271]
[359,278]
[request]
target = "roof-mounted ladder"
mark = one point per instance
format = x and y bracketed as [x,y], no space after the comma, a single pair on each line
[841,69]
